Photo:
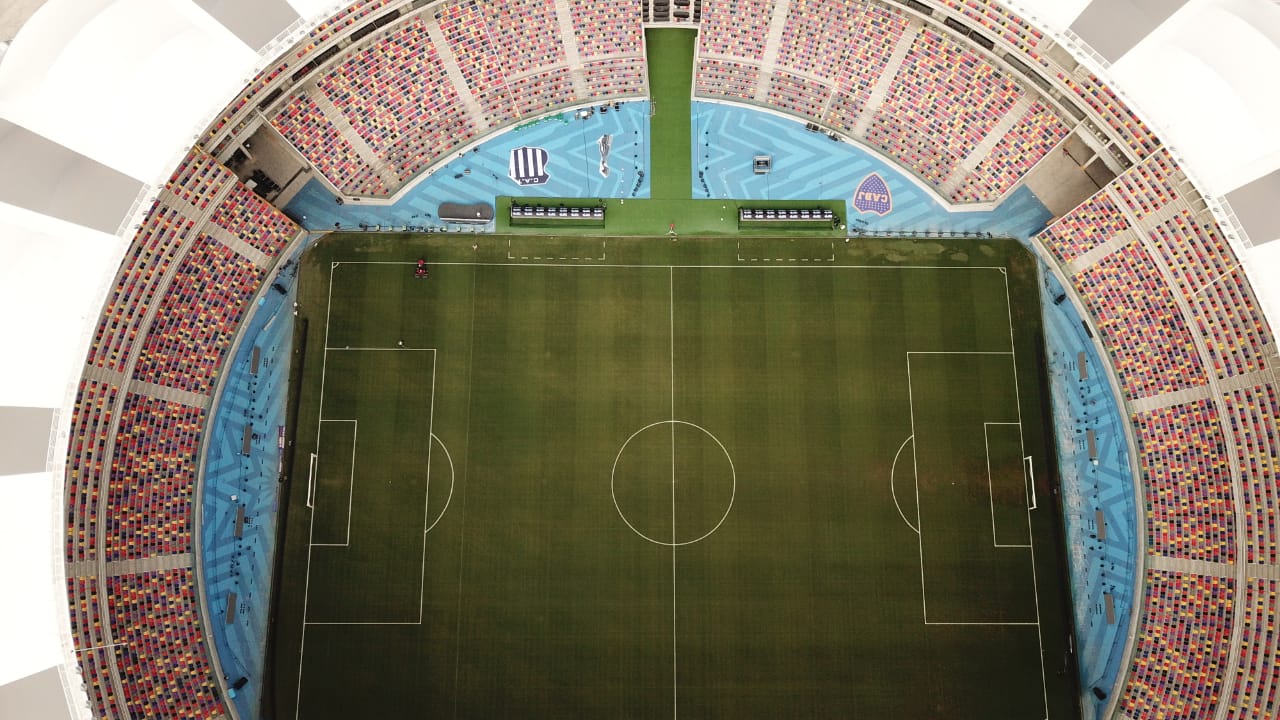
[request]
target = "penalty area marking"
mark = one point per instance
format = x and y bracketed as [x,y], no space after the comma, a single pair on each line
[991,491]
[452,475]
[351,483]
[894,490]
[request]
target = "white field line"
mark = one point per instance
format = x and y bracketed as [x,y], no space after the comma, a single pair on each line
[991,496]
[422,583]
[297,708]
[351,483]
[663,266]
[920,539]
[894,490]
[675,677]
[1008,305]
[915,479]
[306,588]
[462,521]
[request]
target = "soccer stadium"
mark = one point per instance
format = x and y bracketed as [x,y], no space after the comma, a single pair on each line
[640,358]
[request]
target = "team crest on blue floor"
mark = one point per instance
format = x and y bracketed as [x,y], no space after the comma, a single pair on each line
[873,196]
[528,165]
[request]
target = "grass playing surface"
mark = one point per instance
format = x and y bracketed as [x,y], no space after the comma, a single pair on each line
[670,480]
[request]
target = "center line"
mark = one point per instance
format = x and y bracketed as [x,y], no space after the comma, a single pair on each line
[675,700]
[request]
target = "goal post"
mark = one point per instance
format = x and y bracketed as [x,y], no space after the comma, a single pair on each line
[311,482]
[1031,482]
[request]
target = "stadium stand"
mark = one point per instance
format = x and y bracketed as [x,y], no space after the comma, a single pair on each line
[1206,273]
[87,629]
[1000,22]
[1181,652]
[162,235]
[1103,101]
[163,664]
[735,30]
[872,36]
[1021,147]
[254,221]
[197,318]
[726,79]
[942,101]
[133,457]
[1186,482]
[1141,325]
[607,28]
[944,94]
[793,93]
[342,20]
[396,92]
[302,123]
[153,474]
[398,98]
[199,178]
[1095,222]
[90,429]
[1251,415]
[180,294]
[1149,185]
[1253,695]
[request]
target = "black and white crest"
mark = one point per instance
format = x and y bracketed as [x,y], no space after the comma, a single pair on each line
[528,166]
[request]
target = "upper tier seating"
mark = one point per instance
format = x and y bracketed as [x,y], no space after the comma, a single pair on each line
[1148,186]
[606,28]
[89,633]
[1251,415]
[153,476]
[945,97]
[1186,482]
[1257,681]
[1114,113]
[197,318]
[1002,24]
[734,28]
[1094,222]
[303,124]
[1181,650]
[164,668]
[91,425]
[1208,276]
[1141,324]
[154,247]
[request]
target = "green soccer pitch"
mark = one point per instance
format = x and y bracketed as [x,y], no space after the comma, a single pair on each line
[662,479]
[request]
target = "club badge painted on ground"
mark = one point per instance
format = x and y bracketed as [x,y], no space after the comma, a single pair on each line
[873,196]
[528,165]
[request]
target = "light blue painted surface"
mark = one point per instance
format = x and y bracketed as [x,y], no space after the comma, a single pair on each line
[244,565]
[1097,567]
[481,175]
[810,165]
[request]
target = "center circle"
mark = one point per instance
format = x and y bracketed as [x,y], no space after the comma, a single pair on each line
[673,483]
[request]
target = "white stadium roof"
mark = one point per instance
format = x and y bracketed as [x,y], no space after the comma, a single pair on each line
[110,93]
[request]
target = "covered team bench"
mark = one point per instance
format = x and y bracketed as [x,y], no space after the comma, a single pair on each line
[559,214]
[815,218]
[475,213]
